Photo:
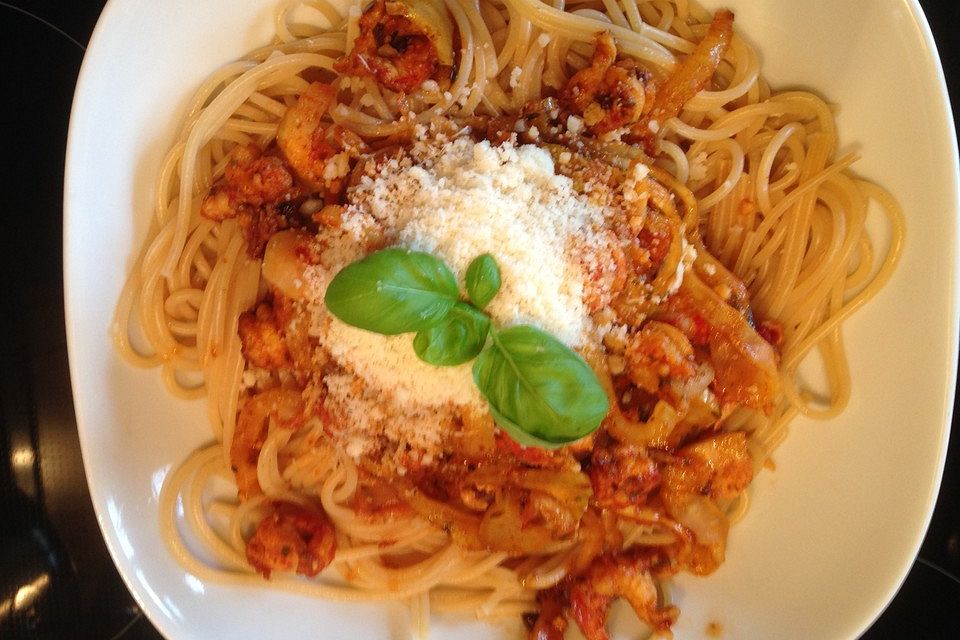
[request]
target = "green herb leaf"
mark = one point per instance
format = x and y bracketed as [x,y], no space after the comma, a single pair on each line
[393,291]
[457,338]
[483,280]
[540,392]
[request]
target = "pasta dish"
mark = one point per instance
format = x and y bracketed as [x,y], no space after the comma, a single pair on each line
[497,306]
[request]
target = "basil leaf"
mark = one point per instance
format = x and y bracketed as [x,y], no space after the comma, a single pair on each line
[540,391]
[393,291]
[457,338]
[483,280]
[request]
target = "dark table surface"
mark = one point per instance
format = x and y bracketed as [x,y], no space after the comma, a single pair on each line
[56,578]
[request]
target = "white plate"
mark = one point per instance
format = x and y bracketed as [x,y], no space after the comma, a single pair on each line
[831,533]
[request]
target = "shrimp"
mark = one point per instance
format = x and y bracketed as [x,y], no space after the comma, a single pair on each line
[400,44]
[259,191]
[619,575]
[622,476]
[320,155]
[250,180]
[608,94]
[292,539]
[272,338]
[263,344]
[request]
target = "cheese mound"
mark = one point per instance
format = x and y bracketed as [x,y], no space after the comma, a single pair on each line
[456,202]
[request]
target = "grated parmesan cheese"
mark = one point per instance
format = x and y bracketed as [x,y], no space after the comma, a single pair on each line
[457,199]
[359,411]
[389,363]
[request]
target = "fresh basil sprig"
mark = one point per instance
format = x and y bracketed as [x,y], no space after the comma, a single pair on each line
[393,291]
[538,390]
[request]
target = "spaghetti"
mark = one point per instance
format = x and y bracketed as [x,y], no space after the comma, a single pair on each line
[742,249]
